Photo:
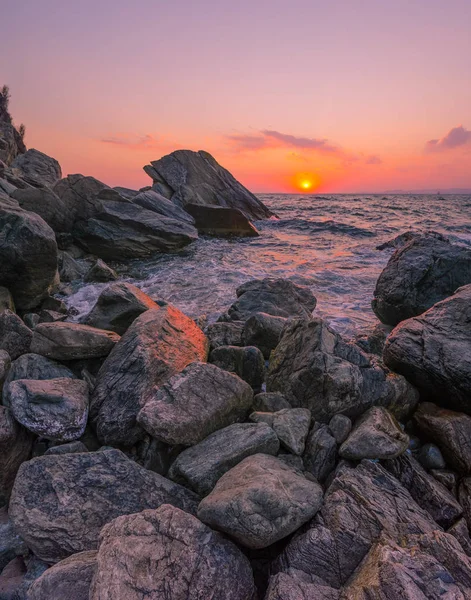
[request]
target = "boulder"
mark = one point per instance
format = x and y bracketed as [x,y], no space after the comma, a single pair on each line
[100,272]
[195,403]
[50,316]
[246,362]
[376,434]
[6,300]
[15,337]
[160,343]
[189,177]
[373,339]
[68,579]
[80,196]
[151,200]
[59,503]
[5,364]
[37,168]
[70,269]
[434,351]
[202,465]
[340,427]
[11,544]
[28,256]
[263,331]
[464,497]
[246,502]
[72,341]
[291,425]
[167,553]
[221,221]
[15,447]
[418,275]
[11,143]
[45,203]
[320,453]
[430,457]
[118,306]
[316,369]
[225,334]
[287,587]
[270,402]
[55,409]
[69,448]
[275,297]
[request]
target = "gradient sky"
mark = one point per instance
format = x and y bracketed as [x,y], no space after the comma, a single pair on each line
[364,95]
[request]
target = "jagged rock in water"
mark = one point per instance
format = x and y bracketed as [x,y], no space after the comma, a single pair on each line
[246,362]
[100,272]
[418,275]
[15,447]
[15,337]
[37,168]
[69,268]
[221,221]
[188,177]
[59,503]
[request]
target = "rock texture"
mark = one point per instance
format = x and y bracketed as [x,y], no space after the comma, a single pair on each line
[15,337]
[220,221]
[37,168]
[60,503]
[45,203]
[5,364]
[286,587]
[157,203]
[246,362]
[291,425]
[100,272]
[15,448]
[320,453]
[263,331]
[225,334]
[79,194]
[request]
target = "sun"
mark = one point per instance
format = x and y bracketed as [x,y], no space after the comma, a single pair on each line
[306,185]
[305,182]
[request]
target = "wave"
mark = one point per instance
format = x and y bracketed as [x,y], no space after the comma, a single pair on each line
[331,226]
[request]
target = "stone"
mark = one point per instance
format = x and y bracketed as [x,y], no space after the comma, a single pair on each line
[291,425]
[195,403]
[448,478]
[15,447]
[118,306]
[460,531]
[11,544]
[45,203]
[275,297]
[373,339]
[315,368]
[421,273]
[464,497]
[100,272]
[247,505]
[224,334]
[70,269]
[50,316]
[434,351]
[5,363]
[28,257]
[11,142]
[80,196]
[52,303]
[188,177]
[450,430]
[320,454]
[72,341]
[246,362]
[160,343]
[286,587]
[157,203]
[202,465]
[173,556]
[12,579]
[70,578]
[55,409]
[15,337]
[220,221]
[340,427]
[264,332]
[37,168]
[376,434]
[6,300]
[270,402]
[430,457]
[68,448]
[59,503]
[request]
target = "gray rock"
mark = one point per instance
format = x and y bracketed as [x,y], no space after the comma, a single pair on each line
[464,497]
[340,426]
[186,560]
[15,337]
[5,363]
[28,256]
[461,532]
[72,341]
[275,297]
[434,351]
[37,168]
[195,177]
[117,307]
[270,402]
[69,268]
[50,316]
[221,221]
[225,334]
[159,344]
[448,478]
[246,362]
[157,203]
[418,275]
[100,272]
[55,409]
[45,203]
[372,341]
[15,447]
[195,403]
[11,142]
[286,587]
[316,369]
[6,300]
[11,544]
[320,454]
[376,434]
[263,331]
[69,448]
[247,504]
[80,196]
[291,425]
[430,457]
[59,503]
[52,303]
[202,465]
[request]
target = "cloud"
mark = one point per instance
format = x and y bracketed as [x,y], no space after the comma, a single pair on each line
[133,142]
[373,160]
[248,142]
[456,137]
[322,145]
[269,138]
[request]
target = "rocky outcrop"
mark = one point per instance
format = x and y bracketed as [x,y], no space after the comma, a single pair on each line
[195,403]
[246,502]
[173,556]
[418,275]
[79,195]
[45,203]
[188,177]
[434,351]
[159,344]
[157,203]
[15,448]
[37,168]
[59,503]
[15,337]
[220,221]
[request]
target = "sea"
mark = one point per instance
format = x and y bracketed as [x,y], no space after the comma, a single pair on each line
[328,243]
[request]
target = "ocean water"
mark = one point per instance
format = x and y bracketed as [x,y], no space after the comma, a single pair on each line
[328,243]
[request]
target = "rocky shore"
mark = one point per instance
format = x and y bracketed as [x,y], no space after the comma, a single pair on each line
[145,454]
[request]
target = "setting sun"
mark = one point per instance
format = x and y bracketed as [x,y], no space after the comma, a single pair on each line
[305,181]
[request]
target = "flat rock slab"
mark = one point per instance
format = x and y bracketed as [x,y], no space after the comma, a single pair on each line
[167,553]
[60,503]
[260,501]
[201,466]
[195,403]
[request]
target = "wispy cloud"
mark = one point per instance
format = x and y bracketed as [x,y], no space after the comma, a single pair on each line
[373,160]
[248,142]
[456,137]
[305,143]
[133,142]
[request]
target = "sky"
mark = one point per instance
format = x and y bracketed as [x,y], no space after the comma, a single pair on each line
[300,95]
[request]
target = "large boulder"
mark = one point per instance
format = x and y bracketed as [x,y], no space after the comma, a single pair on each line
[37,168]
[316,369]
[424,271]
[246,362]
[118,306]
[15,447]
[159,344]
[247,502]
[45,203]
[151,200]
[287,587]
[220,221]
[79,194]
[200,466]
[188,177]
[194,403]
[167,553]
[225,334]
[15,337]
[59,503]
[433,351]
[291,425]
[263,331]
[28,256]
